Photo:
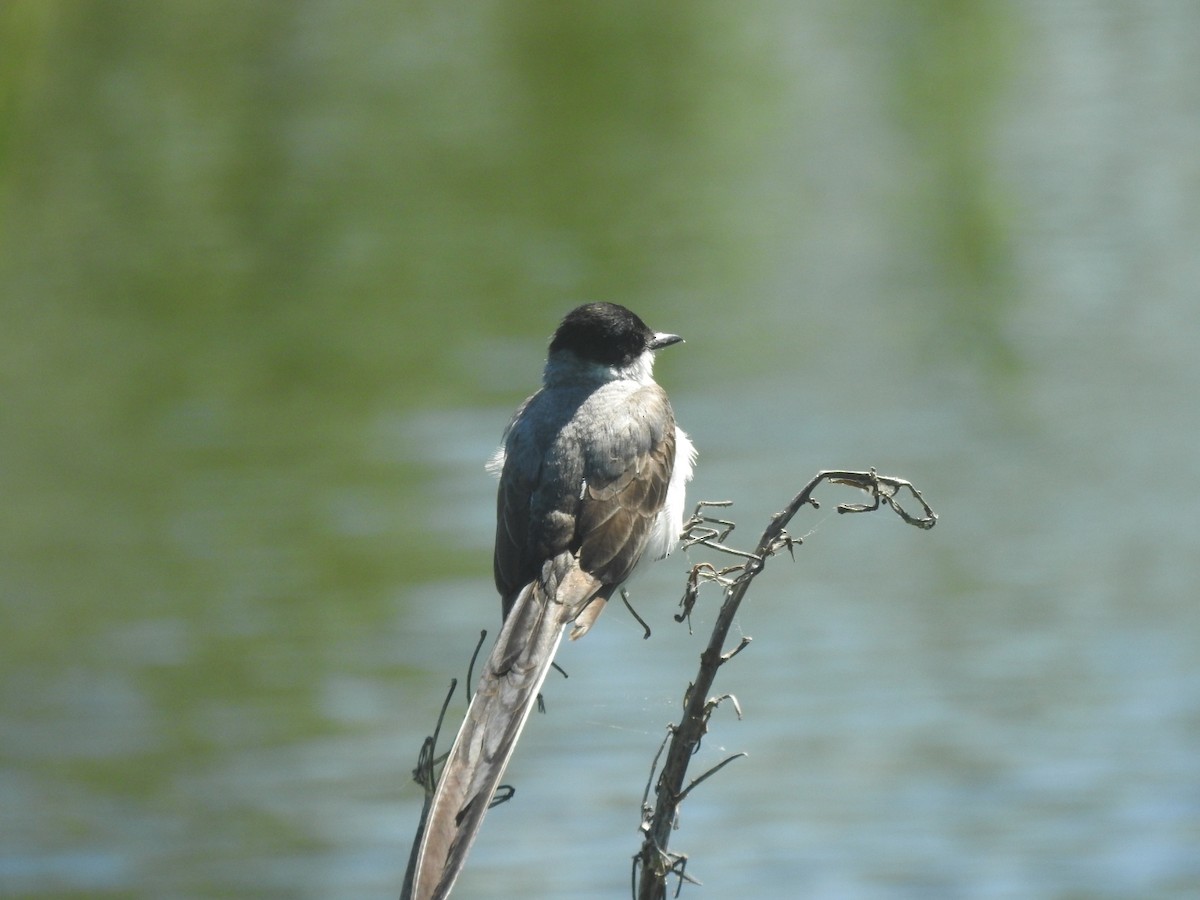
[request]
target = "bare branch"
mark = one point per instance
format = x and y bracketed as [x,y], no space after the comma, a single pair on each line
[654,863]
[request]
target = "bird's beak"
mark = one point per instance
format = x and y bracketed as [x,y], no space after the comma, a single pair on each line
[661,340]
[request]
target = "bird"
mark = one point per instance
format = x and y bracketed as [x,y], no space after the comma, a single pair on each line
[593,472]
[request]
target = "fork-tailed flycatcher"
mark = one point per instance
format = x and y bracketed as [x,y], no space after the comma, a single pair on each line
[592,472]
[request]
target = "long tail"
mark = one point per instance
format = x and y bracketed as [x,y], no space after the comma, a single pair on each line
[505,695]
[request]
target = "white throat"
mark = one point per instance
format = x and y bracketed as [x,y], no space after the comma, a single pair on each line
[565,367]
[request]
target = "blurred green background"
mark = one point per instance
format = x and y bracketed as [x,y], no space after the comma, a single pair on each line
[273,276]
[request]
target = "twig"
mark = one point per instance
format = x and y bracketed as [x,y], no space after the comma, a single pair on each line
[471,666]
[654,863]
[633,612]
[423,775]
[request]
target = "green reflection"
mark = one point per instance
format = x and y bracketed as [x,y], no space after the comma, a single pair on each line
[241,243]
[951,60]
[246,245]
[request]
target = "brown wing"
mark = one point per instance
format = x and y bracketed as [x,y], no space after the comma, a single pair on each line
[624,491]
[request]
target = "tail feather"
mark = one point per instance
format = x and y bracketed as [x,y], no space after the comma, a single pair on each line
[504,697]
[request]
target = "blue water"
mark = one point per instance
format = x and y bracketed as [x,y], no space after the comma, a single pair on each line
[272,282]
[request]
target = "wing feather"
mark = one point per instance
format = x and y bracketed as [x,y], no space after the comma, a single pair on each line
[596,494]
[626,489]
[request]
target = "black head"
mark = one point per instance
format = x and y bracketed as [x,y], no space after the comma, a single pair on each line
[607,334]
